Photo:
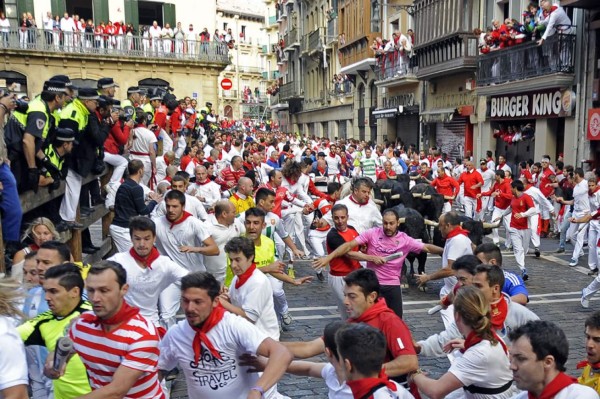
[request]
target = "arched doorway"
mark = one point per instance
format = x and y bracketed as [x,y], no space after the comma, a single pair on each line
[152,83]
[228,111]
[87,83]
[13,81]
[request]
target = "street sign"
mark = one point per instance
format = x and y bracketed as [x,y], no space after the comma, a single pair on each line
[226,84]
[194,95]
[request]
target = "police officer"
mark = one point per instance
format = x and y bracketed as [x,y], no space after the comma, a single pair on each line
[90,133]
[26,132]
[106,87]
[134,98]
[57,152]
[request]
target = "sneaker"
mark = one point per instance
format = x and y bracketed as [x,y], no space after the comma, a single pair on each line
[573,262]
[320,276]
[585,301]
[560,250]
[593,272]
[537,252]
[286,319]
[524,275]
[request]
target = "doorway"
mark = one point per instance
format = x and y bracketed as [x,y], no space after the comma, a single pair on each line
[83,8]
[150,11]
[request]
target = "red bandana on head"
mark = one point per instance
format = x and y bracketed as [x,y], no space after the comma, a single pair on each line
[148,260]
[365,387]
[560,382]
[242,278]
[125,313]
[201,338]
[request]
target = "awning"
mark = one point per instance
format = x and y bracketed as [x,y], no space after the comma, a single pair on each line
[385,113]
[437,115]
[279,106]
[362,65]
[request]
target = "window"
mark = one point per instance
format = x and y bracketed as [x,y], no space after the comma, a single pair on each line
[150,11]
[225,26]
[361,96]
[84,9]
[375,20]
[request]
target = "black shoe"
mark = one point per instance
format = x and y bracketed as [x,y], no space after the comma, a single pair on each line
[593,272]
[320,276]
[537,252]
[89,249]
[560,250]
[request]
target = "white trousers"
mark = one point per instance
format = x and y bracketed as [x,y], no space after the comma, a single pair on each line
[337,284]
[147,168]
[121,237]
[167,142]
[470,206]
[70,202]
[577,233]
[484,208]
[292,221]
[180,147]
[279,247]
[505,221]
[520,243]
[447,207]
[119,163]
[279,299]
[317,241]
[593,237]
[534,222]
[169,302]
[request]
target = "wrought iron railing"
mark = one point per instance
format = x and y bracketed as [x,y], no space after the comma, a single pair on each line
[314,39]
[289,90]
[114,45]
[394,64]
[528,60]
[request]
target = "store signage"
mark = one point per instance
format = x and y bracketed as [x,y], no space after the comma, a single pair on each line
[554,103]
[593,131]
[406,100]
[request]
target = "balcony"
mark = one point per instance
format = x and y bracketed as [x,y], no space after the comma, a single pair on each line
[394,69]
[231,95]
[332,35]
[314,39]
[272,21]
[552,61]
[451,54]
[342,89]
[290,90]
[249,70]
[291,39]
[277,103]
[356,52]
[115,47]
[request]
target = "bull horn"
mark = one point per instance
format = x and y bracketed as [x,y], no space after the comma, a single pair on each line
[431,223]
[377,201]
[426,197]
[417,195]
[401,220]
[490,225]
[385,190]
[395,196]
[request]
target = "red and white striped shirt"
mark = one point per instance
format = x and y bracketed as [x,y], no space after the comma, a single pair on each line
[134,344]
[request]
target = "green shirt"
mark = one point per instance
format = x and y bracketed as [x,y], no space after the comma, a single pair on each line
[45,330]
[369,167]
[264,255]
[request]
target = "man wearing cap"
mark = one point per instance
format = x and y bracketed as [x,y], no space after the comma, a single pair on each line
[106,87]
[26,132]
[56,153]
[118,137]
[90,133]
[134,97]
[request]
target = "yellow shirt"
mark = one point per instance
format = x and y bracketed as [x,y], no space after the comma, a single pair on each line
[590,378]
[45,330]
[241,204]
[264,255]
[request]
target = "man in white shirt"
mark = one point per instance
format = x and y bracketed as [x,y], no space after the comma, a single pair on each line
[48,26]
[362,211]
[67,26]
[143,148]
[205,190]
[167,38]
[222,226]
[208,344]
[162,163]
[581,207]
[192,204]
[155,33]
[489,177]
[191,38]
[334,162]
[148,273]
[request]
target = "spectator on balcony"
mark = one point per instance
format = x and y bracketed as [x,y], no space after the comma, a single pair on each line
[167,39]
[179,36]
[109,33]
[204,40]
[48,22]
[77,31]
[155,32]
[405,51]
[32,36]
[67,26]
[228,36]
[23,31]
[191,41]
[555,20]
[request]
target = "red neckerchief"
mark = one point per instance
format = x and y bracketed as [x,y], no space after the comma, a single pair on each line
[353,200]
[560,382]
[148,260]
[500,166]
[204,182]
[365,387]
[473,339]
[499,311]
[374,311]
[166,160]
[321,170]
[594,192]
[331,154]
[457,230]
[242,278]
[125,313]
[201,338]
[182,219]
[34,247]
[584,363]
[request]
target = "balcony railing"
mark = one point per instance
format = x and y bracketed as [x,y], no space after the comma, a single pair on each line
[342,89]
[272,21]
[525,61]
[332,34]
[455,52]
[291,38]
[394,65]
[117,45]
[314,39]
[289,90]
[248,69]
[229,94]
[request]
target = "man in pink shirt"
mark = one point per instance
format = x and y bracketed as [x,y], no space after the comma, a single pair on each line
[387,248]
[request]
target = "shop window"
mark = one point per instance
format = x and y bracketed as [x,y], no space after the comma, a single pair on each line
[515,140]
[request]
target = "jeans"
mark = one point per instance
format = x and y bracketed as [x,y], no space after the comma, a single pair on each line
[12,214]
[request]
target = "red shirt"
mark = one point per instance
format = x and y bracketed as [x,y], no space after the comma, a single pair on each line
[519,205]
[470,179]
[343,265]
[446,185]
[527,175]
[384,176]
[176,120]
[230,175]
[545,183]
[117,137]
[503,200]
[185,160]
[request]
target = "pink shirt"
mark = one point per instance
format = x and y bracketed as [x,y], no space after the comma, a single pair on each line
[379,244]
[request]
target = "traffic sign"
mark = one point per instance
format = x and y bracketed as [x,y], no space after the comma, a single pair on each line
[226,84]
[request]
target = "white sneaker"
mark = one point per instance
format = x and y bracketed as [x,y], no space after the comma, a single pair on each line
[286,319]
[585,301]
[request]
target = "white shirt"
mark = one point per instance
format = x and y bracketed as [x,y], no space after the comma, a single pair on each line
[146,284]
[489,176]
[192,205]
[255,297]
[558,20]
[539,200]
[485,366]
[190,232]
[455,247]
[217,264]
[336,390]
[67,24]
[13,364]
[362,217]
[155,32]
[48,22]
[233,336]
[143,139]
[298,188]
[333,164]
[273,224]
[167,33]
[161,168]
[211,192]
[571,392]
[581,204]
[191,36]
